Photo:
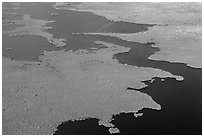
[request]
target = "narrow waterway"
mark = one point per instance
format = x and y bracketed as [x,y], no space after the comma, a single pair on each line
[181,101]
[66,23]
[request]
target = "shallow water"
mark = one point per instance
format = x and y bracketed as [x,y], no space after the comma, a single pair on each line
[24,49]
[66,23]
[6,16]
[124,27]
[8,27]
[180,101]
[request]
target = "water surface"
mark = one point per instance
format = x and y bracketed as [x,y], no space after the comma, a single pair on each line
[23,49]
[66,23]
[82,127]
[180,101]
[181,112]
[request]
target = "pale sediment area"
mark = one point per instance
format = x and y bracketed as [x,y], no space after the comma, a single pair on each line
[84,84]
[179,45]
[70,86]
[114,130]
[35,27]
[178,33]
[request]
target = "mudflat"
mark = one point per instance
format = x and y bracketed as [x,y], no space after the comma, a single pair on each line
[178,32]
[70,86]
[75,85]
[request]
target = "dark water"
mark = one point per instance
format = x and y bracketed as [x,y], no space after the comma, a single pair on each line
[143,50]
[66,23]
[22,47]
[124,27]
[181,101]
[84,127]
[181,111]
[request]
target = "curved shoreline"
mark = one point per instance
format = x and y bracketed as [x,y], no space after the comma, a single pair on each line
[184,30]
[72,85]
[102,80]
[37,28]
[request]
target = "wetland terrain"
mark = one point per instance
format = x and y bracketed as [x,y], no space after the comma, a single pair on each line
[101,68]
